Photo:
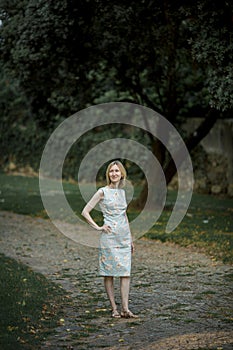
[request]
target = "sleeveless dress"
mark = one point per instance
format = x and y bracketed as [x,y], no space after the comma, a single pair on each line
[115,247]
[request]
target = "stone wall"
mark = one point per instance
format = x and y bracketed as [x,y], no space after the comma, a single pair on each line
[213,158]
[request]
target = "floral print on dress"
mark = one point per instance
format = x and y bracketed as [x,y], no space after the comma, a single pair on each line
[115,247]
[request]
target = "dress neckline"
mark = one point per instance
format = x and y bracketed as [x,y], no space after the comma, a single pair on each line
[111,188]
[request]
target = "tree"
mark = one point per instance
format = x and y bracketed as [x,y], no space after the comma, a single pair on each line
[47,45]
[183,62]
[172,57]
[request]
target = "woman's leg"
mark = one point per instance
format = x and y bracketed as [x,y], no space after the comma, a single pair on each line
[124,286]
[109,286]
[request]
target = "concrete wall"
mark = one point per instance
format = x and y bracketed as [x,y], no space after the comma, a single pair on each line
[218,145]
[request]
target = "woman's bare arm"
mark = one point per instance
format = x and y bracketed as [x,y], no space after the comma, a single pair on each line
[88,208]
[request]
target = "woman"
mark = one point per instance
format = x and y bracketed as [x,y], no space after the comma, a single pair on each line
[116,243]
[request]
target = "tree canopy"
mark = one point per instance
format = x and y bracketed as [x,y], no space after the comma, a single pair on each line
[174,57]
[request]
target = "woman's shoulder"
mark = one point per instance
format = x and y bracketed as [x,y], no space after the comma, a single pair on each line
[101,191]
[106,188]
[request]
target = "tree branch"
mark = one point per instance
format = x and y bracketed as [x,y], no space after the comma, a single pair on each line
[193,140]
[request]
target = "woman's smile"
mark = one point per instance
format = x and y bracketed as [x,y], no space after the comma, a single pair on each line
[114,173]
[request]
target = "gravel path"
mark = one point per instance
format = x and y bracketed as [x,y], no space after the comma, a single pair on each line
[183,297]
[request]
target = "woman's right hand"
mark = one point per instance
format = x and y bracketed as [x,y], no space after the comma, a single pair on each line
[105,228]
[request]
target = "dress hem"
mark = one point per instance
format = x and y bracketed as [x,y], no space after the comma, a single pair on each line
[114,275]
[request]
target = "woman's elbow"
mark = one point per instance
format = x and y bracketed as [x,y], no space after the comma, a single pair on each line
[85,213]
[86,210]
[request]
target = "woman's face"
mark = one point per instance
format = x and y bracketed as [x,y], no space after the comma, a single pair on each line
[114,174]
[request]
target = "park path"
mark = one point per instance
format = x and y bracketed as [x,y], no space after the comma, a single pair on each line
[183,297]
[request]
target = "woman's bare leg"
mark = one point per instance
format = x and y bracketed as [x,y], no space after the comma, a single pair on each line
[109,286]
[124,286]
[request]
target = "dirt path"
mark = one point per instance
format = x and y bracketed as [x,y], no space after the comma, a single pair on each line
[183,297]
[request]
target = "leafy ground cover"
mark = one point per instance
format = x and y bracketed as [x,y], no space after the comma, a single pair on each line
[208,224]
[30,306]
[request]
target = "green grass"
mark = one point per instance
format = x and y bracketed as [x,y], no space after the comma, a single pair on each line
[20,195]
[29,306]
[208,224]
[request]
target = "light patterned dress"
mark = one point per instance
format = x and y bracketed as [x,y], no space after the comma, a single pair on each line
[115,247]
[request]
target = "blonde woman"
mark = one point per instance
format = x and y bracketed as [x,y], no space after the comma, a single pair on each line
[116,243]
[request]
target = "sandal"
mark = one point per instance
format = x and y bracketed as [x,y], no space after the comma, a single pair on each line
[115,314]
[128,314]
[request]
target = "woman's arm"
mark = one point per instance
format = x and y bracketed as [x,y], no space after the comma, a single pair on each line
[132,244]
[88,208]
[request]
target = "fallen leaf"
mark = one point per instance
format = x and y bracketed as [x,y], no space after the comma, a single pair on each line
[99,310]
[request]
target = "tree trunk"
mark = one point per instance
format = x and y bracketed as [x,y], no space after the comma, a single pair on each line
[170,170]
[159,151]
[193,140]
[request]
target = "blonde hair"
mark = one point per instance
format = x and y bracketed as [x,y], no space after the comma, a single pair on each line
[122,170]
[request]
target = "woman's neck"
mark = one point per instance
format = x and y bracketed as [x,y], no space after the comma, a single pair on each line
[116,185]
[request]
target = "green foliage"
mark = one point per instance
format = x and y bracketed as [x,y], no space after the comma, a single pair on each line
[19,138]
[49,53]
[147,65]
[211,43]
[62,56]
[28,306]
[68,54]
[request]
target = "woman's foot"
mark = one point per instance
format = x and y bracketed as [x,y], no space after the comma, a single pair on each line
[115,314]
[128,314]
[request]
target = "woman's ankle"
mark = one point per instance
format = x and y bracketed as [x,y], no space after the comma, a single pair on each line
[125,309]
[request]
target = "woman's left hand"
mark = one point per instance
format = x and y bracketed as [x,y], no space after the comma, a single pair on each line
[132,248]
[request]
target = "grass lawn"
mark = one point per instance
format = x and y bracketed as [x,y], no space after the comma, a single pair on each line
[208,224]
[30,306]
